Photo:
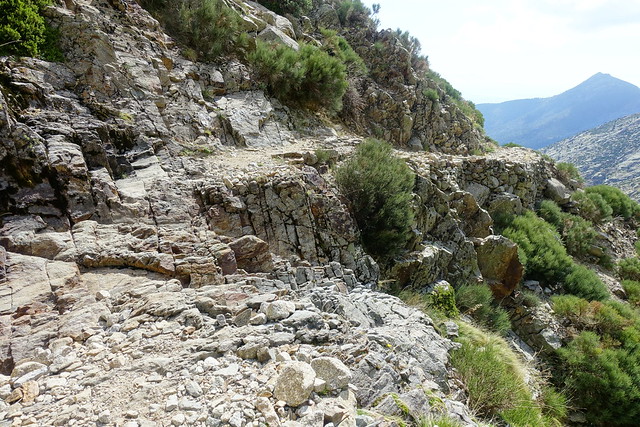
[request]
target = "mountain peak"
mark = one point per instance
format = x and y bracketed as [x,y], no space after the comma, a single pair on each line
[536,123]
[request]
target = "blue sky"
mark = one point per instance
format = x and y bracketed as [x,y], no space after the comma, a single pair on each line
[498,50]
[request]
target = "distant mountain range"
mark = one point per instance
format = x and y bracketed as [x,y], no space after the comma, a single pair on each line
[536,123]
[608,154]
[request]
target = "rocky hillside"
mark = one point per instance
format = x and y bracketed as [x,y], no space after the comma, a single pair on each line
[608,154]
[175,249]
[536,123]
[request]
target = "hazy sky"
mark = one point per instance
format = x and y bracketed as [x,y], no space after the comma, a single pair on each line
[498,50]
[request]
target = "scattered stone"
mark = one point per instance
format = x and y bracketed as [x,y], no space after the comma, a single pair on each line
[335,374]
[294,383]
[277,310]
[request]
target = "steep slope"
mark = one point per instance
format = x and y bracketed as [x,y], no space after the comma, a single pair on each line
[608,154]
[536,123]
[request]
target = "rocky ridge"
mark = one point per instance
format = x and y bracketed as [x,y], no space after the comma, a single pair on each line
[608,154]
[173,252]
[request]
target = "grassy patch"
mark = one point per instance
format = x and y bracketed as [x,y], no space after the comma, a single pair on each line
[477,301]
[569,171]
[495,379]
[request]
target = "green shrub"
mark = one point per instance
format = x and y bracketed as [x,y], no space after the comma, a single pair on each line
[592,206]
[544,256]
[23,30]
[353,12]
[379,187]
[443,299]
[308,77]
[579,235]
[629,269]
[574,308]
[621,204]
[585,283]
[431,94]
[609,319]
[632,289]
[411,43]
[467,107]
[208,27]
[339,47]
[552,213]
[604,381]
[530,298]
[569,171]
[477,301]
[512,145]
[637,246]
[282,7]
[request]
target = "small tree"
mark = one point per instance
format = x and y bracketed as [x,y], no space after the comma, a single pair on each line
[379,187]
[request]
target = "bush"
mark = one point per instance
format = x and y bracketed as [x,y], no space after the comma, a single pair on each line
[477,301]
[629,269]
[569,171]
[608,318]
[282,7]
[23,30]
[604,381]
[585,283]
[620,203]
[552,213]
[545,258]
[443,299]
[339,47]
[592,206]
[309,77]
[512,145]
[632,289]
[353,12]
[379,187]
[431,94]
[579,235]
[207,27]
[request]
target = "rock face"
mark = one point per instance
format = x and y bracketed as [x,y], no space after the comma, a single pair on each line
[592,152]
[499,264]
